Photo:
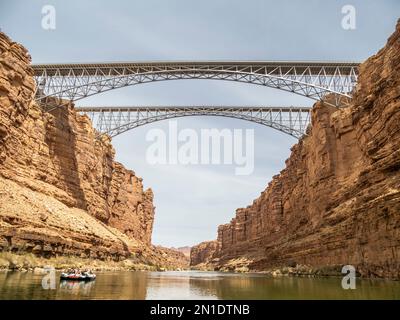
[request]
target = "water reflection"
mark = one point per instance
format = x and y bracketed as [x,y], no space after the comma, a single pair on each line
[192,285]
[76,287]
[175,285]
[121,285]
[234,286]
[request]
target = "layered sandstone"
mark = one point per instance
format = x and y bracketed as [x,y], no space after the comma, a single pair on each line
[170,258]
[185,250]
[61,190]
[337,201]
[203,252]
[32,222]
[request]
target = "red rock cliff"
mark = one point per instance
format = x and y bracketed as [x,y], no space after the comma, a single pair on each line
[53,171]
[203,252]
[338,199]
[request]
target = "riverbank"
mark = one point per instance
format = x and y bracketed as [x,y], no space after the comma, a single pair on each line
[295,270]
[30,263]
[298,270]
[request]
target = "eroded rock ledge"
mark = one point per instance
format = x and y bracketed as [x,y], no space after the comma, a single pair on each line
[337,201]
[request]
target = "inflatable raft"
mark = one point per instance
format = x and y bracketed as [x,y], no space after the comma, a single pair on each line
[77,277]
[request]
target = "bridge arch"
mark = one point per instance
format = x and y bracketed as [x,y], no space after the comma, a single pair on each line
[310,79]
[114,121]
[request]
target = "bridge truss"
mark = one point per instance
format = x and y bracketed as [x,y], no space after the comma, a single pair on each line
[314,80]
[116,120]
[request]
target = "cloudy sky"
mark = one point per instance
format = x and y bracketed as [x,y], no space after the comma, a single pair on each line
[191,201]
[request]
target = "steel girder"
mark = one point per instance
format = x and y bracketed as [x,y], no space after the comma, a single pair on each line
[116,120]
[310,79]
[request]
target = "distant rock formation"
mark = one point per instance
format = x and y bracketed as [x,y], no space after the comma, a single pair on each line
[61,192]
[338,199]
[173,257]
[203,253]
[185,250]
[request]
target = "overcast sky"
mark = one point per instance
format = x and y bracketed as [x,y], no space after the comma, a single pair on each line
[191,201]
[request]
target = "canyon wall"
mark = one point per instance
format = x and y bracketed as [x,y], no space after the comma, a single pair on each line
[337,202]
[61,192]
[203,252]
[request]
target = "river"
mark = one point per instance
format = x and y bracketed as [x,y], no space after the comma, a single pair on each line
[192,285]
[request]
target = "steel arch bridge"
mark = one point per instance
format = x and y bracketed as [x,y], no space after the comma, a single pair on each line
[116,120]
[310,79]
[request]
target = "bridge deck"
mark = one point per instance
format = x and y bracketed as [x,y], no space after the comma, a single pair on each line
[188,108]
[288,67]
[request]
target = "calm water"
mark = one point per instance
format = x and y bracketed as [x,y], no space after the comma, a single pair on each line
[192,285]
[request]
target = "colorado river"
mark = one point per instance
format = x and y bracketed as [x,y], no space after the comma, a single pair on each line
[192,285]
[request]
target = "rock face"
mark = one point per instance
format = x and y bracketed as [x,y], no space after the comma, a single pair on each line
[32,222]
[170,258]
[185,250]
[59,173]
[337,201]
[203,252]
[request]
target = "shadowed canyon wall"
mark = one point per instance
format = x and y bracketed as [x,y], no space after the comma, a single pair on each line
[337,201]
[61,192]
